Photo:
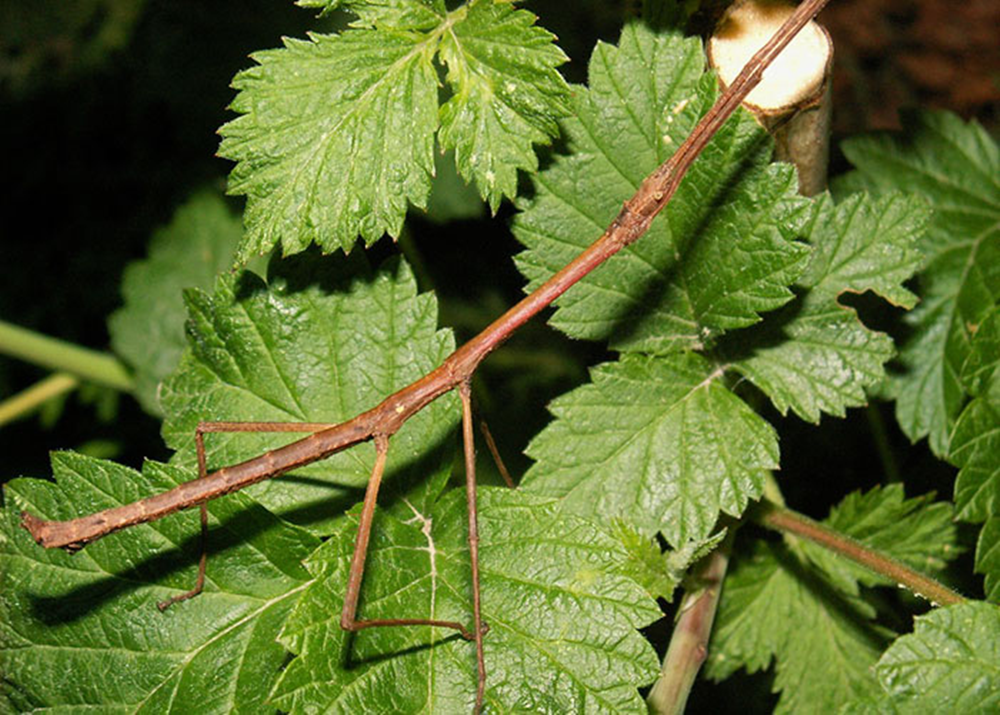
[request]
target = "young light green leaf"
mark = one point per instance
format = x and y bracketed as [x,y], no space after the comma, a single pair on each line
[321,341]
[659,572]
[657,441]
[506,96]
[83,632]
[821,638]
[956,167]
[562,619]
[950,663]
[337,132]
[148,332]
[815,355]
[918,531]
[719,256]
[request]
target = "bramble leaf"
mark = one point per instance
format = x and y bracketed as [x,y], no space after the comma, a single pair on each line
[950,663]
[657,441]
[988,557]
[821,638]
[826,658]
[548,580]
[815,355]
[83,631]
[321,341]
[336,132]
[148,332]
[506,96]
[720,255]
[956,167]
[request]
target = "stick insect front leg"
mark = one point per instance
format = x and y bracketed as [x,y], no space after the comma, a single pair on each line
[200,431]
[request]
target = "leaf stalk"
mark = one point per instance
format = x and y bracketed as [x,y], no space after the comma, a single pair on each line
[89,365]
[791,522]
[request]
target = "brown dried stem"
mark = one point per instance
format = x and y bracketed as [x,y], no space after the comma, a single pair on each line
[386,418]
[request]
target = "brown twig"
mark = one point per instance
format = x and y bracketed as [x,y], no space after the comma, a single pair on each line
[386,418]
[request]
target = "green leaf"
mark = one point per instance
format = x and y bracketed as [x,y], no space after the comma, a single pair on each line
[826,657]
[718,257]
[956,167]
[321,341]
[83,631]
[820,637]
[815,355]
[656,441]
[950,663]
[979,370]
[336,135]
[975,449]
[506,96]
[918,531]
[148,332]
[562,620]
[988,557]
[337,131]
[656,571]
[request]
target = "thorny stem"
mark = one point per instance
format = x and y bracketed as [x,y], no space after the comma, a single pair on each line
[89,365]
[689,641]
[386,418]
[790,522]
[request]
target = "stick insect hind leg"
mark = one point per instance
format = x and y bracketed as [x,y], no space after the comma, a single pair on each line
[200,431]
[348,617]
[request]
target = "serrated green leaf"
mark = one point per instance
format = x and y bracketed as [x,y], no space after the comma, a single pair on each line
[322,341]
[821,638]
[506,97]
[988,557]
[337,132]
[950,663]
[918,531]
[980,368]
[148,332]
[975,449]
[956,167]
[815,355]
[656,441]
[548,580]
[718,257]
[336,135]
[656,571]
[396,14]
[83,632]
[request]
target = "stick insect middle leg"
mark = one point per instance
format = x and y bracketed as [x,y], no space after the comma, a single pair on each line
[200,431]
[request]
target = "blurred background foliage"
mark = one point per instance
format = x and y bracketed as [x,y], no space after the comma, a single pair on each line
[110,109]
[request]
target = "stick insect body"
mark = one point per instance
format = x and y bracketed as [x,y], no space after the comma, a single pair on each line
[384,420]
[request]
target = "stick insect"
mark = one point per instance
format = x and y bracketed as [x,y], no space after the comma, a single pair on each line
[380,423]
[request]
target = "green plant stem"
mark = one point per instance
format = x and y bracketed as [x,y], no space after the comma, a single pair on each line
[881,438]
[689,641]
[787,521]
[27,401]
[88,365]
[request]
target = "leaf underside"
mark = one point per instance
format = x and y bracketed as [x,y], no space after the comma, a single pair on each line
[955,166]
